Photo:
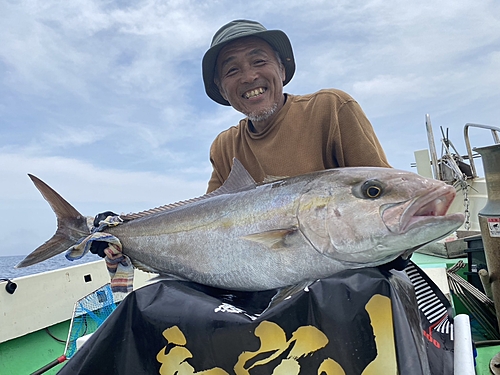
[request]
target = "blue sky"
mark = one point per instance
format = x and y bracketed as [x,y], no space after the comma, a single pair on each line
[104,101]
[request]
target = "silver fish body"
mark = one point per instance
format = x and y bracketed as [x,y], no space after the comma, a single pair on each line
[252,237]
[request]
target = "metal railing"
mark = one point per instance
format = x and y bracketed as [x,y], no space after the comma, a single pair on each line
[432,148]
[494,132]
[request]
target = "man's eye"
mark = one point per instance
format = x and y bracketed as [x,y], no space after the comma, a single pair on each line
[259,62]
[230,71]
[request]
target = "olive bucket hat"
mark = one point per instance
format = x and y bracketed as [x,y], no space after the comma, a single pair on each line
[277,39]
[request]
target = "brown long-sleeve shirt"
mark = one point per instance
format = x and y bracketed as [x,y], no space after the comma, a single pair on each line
[327,129]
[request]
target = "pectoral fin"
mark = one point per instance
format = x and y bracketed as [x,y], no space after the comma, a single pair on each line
[273,239]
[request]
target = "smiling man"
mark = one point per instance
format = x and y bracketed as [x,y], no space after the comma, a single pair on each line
[250,77]
[247,67]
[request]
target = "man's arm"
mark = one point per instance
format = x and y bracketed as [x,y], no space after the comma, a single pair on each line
[357,144]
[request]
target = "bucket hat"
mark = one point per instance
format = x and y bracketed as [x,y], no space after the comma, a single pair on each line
[277,39]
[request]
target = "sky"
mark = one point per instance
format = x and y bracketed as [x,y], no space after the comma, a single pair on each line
[104,100]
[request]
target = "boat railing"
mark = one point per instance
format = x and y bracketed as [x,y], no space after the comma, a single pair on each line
[495,134]
[451,167]
[432,148]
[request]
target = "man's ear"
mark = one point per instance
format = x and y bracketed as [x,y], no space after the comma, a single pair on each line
[282,72]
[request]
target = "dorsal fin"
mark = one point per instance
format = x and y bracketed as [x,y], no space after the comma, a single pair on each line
[238,180]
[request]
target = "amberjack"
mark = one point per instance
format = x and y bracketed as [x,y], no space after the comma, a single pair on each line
[249,237]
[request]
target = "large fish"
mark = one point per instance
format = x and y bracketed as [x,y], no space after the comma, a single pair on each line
[249,237]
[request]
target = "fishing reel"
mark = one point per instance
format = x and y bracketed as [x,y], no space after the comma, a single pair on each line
[10,287]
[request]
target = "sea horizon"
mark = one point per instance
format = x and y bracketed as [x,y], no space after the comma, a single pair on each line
[8,263]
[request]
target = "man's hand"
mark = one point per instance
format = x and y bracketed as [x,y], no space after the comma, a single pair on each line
[103,215]
[98,247]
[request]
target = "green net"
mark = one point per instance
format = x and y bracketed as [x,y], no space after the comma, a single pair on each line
[89,313]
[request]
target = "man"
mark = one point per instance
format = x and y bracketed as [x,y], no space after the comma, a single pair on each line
[246,67]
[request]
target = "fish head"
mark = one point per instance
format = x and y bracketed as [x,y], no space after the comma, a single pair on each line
[368,216]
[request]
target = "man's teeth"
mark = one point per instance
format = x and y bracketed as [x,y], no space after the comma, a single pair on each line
[255,92]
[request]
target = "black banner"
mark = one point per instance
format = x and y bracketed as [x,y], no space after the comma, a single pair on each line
[355,322]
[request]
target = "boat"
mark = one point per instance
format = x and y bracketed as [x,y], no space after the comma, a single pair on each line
[466,245]
[33,342]
[36,313]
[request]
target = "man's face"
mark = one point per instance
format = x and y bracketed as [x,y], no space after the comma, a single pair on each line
[250,78]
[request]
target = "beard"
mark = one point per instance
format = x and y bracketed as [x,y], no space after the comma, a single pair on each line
[262,114]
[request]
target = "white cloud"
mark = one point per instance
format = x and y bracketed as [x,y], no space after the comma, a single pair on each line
[88,183]
[68,136]
[110,93]
[88,188]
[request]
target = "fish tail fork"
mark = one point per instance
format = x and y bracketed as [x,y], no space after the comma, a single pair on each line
[71,226]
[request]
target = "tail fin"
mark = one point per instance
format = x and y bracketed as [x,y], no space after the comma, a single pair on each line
[71,226]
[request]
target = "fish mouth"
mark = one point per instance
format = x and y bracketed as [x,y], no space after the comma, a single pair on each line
[417,212]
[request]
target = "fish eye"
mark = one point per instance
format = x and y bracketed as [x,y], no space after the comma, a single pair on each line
[372,189]
[369,189]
